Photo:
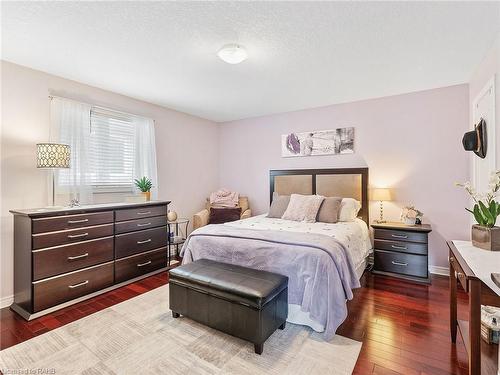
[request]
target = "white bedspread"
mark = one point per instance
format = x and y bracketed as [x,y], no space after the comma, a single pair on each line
[354,235]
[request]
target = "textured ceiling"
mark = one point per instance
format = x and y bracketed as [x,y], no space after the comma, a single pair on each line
[301,54]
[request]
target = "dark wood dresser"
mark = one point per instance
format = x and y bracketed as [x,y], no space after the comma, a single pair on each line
[63,256]
[402,251]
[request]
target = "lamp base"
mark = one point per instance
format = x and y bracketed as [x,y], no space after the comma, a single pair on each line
[380,221]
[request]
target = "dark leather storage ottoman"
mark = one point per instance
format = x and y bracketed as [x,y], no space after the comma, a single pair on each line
[243,302]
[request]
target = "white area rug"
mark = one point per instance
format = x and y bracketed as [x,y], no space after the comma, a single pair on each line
[139,336]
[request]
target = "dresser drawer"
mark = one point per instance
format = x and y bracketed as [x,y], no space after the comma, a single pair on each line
[57,260]
[70,236]
[400,235]
[140,224]
[138,213]
[140,241]
[137,265]
[402,247]
[52,224]
[405,264]
[59,289]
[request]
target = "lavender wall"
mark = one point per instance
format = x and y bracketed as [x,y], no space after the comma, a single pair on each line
[410,142]
[186,148]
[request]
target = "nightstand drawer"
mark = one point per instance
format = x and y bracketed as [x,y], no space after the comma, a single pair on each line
[400,235]
[405,264]
[402,247]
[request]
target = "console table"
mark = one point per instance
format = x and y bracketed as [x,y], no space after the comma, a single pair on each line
[472,268]
[65,255]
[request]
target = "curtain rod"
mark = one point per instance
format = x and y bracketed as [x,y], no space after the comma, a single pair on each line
[97,106]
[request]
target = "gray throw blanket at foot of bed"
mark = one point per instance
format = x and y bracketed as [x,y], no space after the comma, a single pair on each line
[320,270]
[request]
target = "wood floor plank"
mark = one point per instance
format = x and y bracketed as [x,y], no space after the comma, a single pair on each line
[404,326]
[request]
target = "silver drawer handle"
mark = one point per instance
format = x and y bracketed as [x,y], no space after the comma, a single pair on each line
[78,285]
[399,247]
[144,264]
[399,236]
[77,221]
[77,235]
[145,241]
[78,256]
[144,213]
[143,225]
[399,264]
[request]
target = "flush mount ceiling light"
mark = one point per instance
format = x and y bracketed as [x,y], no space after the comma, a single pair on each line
[232,53]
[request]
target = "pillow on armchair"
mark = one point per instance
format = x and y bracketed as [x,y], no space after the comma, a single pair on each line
[202,218]
[223,215]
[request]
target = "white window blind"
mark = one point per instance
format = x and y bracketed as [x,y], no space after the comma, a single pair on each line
[111,149]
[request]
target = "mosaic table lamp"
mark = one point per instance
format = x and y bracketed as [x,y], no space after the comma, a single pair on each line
[52,156]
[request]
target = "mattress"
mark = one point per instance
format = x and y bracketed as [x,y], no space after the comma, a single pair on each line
[355,236]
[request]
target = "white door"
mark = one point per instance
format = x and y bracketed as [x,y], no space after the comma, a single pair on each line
[484,107]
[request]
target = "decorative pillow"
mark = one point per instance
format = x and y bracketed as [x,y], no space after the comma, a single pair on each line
[349,209]
[329,210]
[278,205]
[303,208]
[224,215]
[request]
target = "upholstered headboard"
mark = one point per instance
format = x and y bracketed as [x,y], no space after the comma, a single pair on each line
[344,182]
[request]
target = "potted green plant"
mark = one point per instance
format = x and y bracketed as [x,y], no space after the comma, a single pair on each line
[144,184]
[485,234]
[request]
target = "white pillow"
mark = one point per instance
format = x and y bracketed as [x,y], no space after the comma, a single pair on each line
[349,209]
[303,208]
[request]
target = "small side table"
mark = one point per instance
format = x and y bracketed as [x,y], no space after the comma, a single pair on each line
[401,250]
[177,234]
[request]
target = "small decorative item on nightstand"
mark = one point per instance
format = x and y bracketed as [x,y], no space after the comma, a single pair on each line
[410,215]
[381,194]
[401,251]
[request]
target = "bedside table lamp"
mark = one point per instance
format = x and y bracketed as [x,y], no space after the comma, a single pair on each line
[381,194]
[52,156]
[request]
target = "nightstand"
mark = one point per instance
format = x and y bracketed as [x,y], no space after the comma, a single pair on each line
[401,250]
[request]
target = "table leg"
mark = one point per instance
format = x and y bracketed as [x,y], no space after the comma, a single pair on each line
[475,327]
[453,301]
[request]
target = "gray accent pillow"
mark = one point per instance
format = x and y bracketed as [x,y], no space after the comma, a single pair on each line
[278,205]
[329,210]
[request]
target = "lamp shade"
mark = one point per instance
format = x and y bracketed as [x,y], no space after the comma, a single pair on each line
[52,155]
[381,194]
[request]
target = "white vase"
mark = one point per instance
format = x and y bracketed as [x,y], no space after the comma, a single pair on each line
[410,221]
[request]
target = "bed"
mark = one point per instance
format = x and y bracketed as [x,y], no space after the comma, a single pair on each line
[323,261]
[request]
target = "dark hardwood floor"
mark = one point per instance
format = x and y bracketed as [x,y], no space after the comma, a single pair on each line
[404,326]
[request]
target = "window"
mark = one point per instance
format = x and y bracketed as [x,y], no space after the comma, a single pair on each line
[109,149]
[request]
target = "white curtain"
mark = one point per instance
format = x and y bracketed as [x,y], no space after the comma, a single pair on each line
[145,150]
[72,120]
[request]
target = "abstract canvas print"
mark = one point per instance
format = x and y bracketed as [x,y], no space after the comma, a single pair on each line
[321,142]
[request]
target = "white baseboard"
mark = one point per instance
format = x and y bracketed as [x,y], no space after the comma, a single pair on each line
[437,270]
[6,301]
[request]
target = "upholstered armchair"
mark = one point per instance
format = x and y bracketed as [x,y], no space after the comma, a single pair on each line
[200,219]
